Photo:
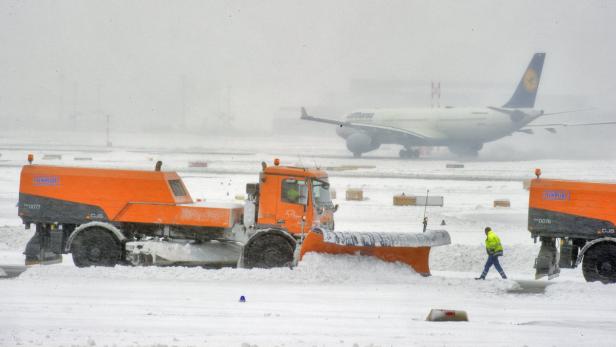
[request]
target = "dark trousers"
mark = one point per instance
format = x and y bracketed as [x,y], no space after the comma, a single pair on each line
[493,260]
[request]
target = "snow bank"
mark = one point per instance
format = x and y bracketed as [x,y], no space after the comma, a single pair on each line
[471,258]
[14,237]
[315,268]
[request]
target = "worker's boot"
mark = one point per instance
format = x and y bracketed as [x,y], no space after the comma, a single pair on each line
[502,273]
[483,275]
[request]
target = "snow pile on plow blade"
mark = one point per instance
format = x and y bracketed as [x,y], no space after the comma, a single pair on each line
[409,248]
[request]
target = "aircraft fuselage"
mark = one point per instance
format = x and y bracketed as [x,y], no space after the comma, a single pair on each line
[440,126]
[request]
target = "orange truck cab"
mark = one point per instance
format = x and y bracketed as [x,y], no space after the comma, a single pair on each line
[583,216]
[110,216]
[293,198]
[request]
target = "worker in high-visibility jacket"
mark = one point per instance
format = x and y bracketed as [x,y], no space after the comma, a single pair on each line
[494,250]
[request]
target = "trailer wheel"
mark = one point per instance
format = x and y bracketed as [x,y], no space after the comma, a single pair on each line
[600,263]
[95,247]
[268,250]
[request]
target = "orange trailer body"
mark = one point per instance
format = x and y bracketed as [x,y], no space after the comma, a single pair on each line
[560,208]
[128,196]
[583,216]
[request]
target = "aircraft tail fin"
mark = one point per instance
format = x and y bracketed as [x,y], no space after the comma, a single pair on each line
[524,96]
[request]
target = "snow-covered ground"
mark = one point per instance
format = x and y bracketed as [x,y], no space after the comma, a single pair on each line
[326,300]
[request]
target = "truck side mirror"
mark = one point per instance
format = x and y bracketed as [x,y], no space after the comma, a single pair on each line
[335,207]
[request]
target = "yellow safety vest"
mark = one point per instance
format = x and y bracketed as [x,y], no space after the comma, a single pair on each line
[493,243]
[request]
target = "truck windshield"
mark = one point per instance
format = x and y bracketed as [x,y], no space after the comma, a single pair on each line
[320,193]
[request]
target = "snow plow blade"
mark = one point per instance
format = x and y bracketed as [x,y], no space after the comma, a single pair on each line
[409,248]
[546,263]
[10,271]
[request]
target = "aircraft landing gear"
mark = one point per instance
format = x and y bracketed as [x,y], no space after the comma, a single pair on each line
[409,153]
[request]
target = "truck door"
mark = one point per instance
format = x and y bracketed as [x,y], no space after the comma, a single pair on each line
[292,204]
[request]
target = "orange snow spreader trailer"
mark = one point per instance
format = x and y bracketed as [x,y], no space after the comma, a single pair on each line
[583,216]
[79,195]
[105,217]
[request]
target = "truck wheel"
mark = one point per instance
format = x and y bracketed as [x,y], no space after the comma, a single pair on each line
[268,250]
[95,247]
[600,263]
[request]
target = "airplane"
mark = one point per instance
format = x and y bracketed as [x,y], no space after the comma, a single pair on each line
[462,130]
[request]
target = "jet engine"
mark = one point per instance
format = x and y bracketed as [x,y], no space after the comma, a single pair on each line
[359,143]
[345,132]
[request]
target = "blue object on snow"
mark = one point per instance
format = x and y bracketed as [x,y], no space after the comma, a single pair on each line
[242,298]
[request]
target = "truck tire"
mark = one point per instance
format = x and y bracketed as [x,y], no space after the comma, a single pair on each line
[600,263]
[268,250]
[96,246]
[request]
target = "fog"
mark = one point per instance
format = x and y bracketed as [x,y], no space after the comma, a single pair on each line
[233,67]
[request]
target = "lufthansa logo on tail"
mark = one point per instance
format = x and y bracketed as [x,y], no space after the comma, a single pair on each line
[531,80]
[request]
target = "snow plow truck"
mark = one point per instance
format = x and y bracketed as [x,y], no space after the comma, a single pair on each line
[105,217]
[583,216]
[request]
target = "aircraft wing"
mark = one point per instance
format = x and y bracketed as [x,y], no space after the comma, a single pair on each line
[378,129]
[550,127]
[569,125]
[306,116]
[567,111]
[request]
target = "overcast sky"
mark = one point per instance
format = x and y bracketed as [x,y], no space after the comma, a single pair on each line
[152,61]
